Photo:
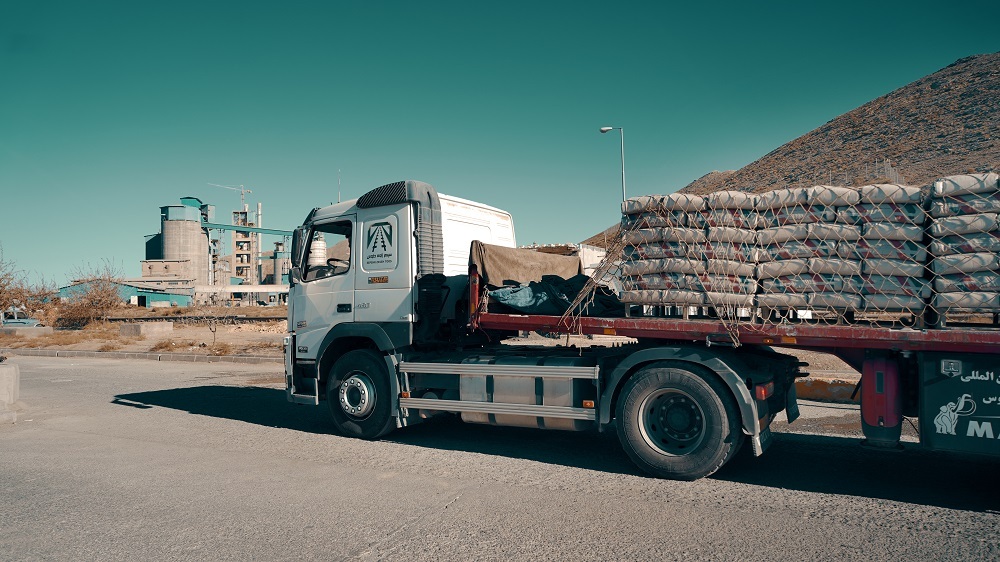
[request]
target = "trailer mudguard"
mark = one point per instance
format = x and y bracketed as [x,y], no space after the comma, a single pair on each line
[710,359]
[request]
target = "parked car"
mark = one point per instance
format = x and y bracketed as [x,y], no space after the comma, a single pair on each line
[18,319]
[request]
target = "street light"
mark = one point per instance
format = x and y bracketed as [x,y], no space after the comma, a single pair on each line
[622,131]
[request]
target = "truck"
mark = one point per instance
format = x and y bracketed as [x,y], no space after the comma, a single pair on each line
[388,326]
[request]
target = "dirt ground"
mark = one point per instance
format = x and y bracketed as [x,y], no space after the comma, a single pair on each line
[264,339]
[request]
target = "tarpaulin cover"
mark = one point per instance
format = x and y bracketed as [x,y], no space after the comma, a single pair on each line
[499,266]
[553,295]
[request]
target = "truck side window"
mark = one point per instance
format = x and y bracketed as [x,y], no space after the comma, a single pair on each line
[329,251]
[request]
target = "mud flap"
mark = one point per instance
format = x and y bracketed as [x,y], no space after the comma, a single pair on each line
[791,404]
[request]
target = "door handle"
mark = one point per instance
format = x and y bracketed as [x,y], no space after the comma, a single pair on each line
[344,307]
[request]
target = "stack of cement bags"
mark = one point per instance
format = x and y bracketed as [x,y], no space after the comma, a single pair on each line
[889,246]
[965,242]
[730,252]
[662,261]
[800,265]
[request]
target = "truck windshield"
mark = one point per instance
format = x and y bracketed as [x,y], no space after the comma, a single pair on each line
[329,251]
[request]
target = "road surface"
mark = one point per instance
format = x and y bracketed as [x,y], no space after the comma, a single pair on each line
[131,459]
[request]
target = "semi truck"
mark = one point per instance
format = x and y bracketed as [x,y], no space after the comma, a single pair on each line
[388,327]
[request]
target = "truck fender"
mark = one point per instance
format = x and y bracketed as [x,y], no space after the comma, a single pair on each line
[378,336]
[695,356]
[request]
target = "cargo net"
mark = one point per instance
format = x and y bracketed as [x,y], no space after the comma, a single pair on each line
[885,254]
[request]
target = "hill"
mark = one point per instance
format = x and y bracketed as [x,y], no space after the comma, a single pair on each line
[945,123]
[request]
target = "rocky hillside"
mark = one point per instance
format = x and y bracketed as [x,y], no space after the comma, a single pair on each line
[945,123]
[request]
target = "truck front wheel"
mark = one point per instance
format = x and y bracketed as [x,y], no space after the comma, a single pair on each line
[358,394]
[676,424]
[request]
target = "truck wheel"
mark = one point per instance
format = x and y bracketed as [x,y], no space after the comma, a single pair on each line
[676,424]
[358,394]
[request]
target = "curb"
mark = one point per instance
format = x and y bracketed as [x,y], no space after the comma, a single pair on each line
[827,389]
[189,357]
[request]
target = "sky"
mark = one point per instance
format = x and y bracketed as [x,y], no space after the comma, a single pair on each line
[110,110]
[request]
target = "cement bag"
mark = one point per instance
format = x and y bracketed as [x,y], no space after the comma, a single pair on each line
[967,204]
[657,250]
[782,268]
[883,249]
[836,301]
[890,231]
[965,263]
[885,212]
[798,215]
[668,265]
[966,183]
[683,202]
[663,297]
[892,268]
[779,198]
[642,204]
[830,196]
[725,284]
[737,218]
[730,267]
[725,234]
[963,224]
[967,301]
[967,243]
[913,305]
[804,283]
[729,299]
[647,235]
[777,235]
[835,266]
[839,232]
[888,285]
[890,193]
[729,251]
[654,220]
[731,200]
[785,300]
[968,282]
[795,249]
[660,281]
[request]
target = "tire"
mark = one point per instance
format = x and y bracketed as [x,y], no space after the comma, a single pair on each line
[676,424]
[359,395]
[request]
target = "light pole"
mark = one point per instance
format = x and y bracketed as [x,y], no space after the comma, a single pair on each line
[622,131]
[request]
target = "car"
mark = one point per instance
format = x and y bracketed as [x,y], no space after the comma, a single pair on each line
[18,319]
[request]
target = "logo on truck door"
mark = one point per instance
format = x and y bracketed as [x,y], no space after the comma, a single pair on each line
[380,244]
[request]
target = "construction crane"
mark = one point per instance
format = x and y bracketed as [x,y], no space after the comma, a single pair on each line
[243,192]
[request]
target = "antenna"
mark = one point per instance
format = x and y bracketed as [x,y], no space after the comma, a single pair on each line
[243,192]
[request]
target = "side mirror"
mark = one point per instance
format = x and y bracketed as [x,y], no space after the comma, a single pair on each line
[294,276]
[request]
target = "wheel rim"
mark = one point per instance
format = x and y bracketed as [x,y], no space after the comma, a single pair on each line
[672,422]
[357,395]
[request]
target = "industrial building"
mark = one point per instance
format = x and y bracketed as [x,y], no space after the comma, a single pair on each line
[188,257]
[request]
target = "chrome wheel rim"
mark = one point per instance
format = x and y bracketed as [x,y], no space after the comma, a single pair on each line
[357,395]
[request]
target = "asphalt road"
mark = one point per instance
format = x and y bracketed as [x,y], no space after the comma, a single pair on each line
[115,459]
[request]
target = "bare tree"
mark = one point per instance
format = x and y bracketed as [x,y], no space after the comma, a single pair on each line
[95,294]
[16,291]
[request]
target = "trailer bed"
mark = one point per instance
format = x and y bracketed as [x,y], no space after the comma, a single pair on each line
[796,335]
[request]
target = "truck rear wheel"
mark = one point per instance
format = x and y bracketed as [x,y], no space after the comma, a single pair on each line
[676,424]
[358,394]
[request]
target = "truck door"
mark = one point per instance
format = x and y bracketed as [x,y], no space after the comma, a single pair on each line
[325,296]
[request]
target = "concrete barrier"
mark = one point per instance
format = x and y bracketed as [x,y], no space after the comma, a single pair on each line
[10,384]
[145,328]
[828,388]
[26,332]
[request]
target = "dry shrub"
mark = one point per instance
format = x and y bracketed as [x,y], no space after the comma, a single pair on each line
[17,291]
[111,346]
[172,345]
[96,294]
[220,349]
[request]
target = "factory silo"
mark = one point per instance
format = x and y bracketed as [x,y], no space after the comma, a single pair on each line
[185,241]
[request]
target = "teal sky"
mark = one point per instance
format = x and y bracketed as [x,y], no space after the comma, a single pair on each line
[110,110]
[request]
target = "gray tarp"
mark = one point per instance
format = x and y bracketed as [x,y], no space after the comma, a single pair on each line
[500,266]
